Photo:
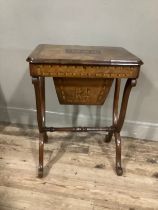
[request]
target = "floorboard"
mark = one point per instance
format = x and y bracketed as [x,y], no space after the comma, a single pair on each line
[79,172]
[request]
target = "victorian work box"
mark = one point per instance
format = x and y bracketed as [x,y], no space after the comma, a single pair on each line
[83,75]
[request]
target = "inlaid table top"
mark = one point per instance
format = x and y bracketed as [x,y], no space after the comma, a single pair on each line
[87,55]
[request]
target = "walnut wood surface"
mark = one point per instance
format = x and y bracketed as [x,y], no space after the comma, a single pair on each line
[87,55]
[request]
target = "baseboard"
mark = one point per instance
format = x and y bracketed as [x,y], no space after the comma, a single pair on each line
[135,129]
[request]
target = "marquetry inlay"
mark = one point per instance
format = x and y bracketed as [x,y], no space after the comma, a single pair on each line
[81,71]
[82,91]
[83,51]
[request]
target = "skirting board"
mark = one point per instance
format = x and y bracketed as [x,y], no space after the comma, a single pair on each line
[141,130]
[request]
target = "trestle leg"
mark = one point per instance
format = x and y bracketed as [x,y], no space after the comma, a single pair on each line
[39,86]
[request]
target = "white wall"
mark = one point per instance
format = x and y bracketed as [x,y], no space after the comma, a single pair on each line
[130,24]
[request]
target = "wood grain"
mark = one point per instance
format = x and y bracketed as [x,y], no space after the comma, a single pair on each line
[79,172]
[88,55]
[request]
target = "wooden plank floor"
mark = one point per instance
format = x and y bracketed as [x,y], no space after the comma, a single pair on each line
[79,172]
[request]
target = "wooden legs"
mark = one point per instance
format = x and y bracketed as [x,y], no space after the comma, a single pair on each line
[39,85]
[129,84]
[118,119]
[115,108]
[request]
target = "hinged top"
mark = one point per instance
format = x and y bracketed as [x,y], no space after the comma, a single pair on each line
[87,55]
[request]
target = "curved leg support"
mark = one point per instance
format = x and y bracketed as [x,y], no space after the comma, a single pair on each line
[108,137]
[129,84]
[39,86]
[118,121]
